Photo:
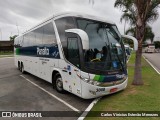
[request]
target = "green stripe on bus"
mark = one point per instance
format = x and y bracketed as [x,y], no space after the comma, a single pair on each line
[101,78]
[17,51]
[96,78]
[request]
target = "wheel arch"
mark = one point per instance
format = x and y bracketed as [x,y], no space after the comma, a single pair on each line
[54,72]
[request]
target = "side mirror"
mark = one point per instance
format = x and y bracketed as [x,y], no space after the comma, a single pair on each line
[135,41]
[83,35]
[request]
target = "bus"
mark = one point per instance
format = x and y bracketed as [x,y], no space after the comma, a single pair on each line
[76,53]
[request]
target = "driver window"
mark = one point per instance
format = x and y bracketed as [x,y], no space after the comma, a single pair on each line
[73,51]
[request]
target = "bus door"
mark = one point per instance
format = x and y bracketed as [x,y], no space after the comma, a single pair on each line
[71,72]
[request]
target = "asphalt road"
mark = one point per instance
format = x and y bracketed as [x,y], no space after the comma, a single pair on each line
[18,94]
[154,58]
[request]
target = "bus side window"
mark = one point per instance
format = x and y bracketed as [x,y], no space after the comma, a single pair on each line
[49,36]
[39,36]
[73,51]
[25,42]
[62,25]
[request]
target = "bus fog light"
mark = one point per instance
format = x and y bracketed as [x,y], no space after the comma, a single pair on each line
[96,83]
[85,80]
[91,82]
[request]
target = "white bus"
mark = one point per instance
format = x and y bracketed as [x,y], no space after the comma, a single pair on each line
[76,53]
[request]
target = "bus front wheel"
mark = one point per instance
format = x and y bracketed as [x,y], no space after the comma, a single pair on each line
[58,83]
[19,66]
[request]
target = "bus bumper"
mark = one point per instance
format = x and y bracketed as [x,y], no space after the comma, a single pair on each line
[91,91]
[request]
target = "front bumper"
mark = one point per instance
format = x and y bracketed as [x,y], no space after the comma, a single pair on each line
[91,91]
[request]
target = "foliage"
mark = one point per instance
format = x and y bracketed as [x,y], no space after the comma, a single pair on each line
[139,13]
[148,33]
[134,8]
[12,38]
[157,44]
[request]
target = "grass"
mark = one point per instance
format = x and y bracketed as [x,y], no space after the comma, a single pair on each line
[133,98]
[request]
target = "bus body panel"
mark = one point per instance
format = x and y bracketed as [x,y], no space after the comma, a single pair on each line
[40,67]
[71,81]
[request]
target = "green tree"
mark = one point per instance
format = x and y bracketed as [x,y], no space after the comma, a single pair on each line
[140,14]
[148,33]
[157,44]
[12,38]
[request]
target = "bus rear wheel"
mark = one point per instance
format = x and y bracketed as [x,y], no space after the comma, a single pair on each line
[22,68]
[19,66]
[58,83]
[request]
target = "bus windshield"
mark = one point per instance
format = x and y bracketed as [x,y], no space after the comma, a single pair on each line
[106,51]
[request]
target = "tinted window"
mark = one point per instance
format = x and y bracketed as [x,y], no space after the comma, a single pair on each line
[104,41]
[25,41]
[32,39]
[62,25]
[21,41]
[49,34]
[73,51]
[39,36]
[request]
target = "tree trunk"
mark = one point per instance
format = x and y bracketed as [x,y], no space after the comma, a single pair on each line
[140,30]
[138,67]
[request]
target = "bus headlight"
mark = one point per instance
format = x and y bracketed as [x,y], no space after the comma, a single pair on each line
[92,82]
[86,80]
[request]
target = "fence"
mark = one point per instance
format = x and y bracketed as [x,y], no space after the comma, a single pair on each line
[6,46]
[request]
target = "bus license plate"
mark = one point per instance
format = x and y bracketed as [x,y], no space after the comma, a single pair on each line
[113,90]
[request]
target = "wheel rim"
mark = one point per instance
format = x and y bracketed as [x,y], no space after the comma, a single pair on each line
[59,84]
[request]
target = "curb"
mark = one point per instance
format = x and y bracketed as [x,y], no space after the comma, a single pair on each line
[151,64]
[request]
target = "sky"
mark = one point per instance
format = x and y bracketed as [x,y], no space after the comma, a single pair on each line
[17,16]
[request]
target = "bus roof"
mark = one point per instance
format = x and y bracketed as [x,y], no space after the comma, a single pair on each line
[83,15]
[72,14]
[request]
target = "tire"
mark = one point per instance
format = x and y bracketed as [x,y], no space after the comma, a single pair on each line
[22,68]
[58,83]
[19,66]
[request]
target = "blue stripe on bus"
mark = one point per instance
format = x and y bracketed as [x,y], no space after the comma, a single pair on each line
[47,51]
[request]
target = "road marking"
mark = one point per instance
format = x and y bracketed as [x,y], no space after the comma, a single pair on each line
[151,65]
[84,114]
[6,57]
[62,101]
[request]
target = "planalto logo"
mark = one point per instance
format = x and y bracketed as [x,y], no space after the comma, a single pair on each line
[120,76]
[43,51]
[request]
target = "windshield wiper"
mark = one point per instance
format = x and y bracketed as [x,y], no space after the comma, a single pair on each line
[120,62]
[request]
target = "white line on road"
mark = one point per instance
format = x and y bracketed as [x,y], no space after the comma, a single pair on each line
[62,101]
[151,64]
[6,57]
[88,109]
